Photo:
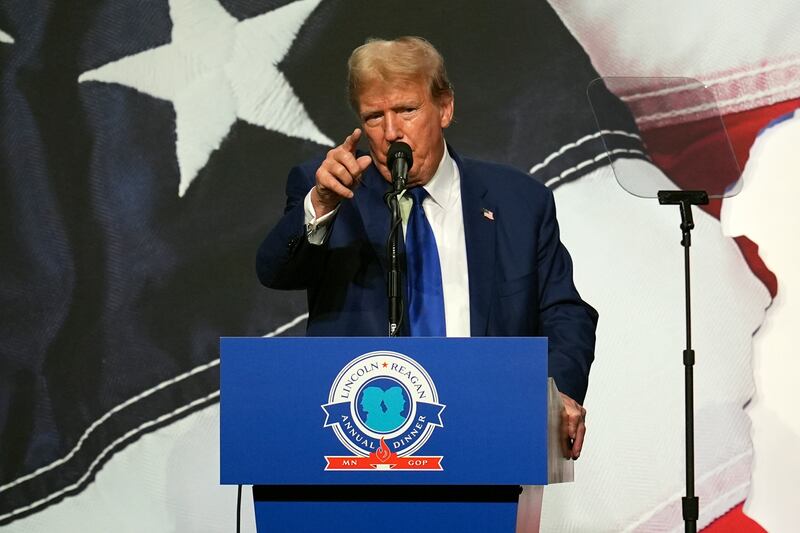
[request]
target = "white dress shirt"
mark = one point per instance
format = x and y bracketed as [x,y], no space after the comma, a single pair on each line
[443,210]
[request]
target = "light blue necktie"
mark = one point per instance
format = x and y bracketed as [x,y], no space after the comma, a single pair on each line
[425,294]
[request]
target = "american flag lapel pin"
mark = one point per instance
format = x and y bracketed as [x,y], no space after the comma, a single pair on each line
[488,214]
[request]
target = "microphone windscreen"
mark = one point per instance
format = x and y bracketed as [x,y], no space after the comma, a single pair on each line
[399,149]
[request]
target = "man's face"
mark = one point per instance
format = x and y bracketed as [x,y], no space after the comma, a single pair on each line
[405,112]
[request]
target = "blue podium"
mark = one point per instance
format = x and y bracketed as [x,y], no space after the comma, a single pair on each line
[398,434]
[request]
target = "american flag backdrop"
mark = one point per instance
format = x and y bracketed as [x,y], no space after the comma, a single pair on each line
[144,146]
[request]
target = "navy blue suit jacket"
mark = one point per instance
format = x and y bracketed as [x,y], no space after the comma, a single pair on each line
[520,275]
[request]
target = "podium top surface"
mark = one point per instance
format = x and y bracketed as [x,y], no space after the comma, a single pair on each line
[309,411]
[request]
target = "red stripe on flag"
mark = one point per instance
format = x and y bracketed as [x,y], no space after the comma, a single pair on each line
[691,165]
[750,252]
[734,520]
[744,127]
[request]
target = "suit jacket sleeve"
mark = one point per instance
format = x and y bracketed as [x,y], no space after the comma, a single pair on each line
[567,321]
[285,259]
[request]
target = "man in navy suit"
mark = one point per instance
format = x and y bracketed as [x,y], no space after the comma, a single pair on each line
[504,271]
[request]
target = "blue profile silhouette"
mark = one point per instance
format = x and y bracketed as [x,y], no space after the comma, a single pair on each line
[395,402]
[371,399]
[383,408]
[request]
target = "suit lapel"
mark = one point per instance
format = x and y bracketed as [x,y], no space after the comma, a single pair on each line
[479,233]
[374,213]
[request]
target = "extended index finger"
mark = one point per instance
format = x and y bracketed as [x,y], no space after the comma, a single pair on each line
[351,140]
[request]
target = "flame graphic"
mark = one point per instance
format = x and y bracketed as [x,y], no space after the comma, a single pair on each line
[383,453]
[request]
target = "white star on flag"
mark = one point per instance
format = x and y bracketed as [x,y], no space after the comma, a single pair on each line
[6,38]
[215,70]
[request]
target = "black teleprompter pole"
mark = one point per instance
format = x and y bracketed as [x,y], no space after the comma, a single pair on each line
[685,200]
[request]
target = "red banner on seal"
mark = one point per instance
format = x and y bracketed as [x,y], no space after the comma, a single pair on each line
[394,462]
[383,459]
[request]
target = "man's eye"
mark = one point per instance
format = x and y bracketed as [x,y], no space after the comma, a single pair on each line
[372,120]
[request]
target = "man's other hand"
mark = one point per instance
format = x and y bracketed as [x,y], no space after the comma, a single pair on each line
[573,427]
[338,175]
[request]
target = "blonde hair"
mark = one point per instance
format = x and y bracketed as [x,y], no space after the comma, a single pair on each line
[405,59]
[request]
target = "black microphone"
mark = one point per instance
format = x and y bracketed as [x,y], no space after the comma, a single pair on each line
[400,161]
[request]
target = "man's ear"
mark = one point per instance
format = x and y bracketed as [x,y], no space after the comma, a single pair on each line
[446,109]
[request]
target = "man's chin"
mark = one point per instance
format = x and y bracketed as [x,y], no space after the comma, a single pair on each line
[417,181]
[413,181]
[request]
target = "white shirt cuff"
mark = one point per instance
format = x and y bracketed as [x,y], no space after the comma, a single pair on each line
[316,228]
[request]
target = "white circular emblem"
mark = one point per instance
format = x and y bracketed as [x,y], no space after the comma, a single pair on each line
[383,396]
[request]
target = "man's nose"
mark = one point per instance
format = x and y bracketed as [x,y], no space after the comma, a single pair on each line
[392,130]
